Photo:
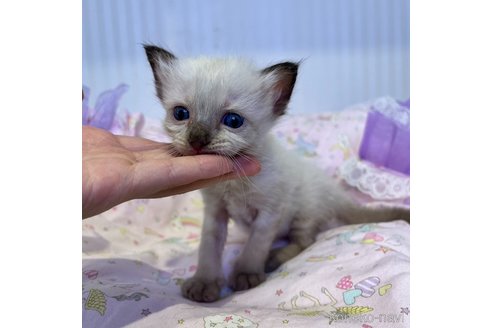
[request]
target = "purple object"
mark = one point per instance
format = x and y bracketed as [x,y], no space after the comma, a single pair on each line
[386,140]
[103,114]
[405,103]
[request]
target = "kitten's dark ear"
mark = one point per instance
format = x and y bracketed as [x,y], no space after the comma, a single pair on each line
[286,74]
[158,59]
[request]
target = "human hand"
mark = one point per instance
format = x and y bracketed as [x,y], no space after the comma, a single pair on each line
[116,169]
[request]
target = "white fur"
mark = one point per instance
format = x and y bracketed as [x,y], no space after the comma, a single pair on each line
[209,88]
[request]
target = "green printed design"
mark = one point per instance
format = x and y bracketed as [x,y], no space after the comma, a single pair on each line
[96,301]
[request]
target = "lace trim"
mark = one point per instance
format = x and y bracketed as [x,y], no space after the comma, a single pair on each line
[380,184]
[390,108]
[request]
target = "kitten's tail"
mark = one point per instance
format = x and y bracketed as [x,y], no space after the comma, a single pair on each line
[353,213]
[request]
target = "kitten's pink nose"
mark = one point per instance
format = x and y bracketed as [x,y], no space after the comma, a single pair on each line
[198,136]
[198,145]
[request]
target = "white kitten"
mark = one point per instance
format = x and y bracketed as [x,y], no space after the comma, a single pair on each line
[227,107]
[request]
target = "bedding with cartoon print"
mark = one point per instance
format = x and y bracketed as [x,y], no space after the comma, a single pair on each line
[136,255]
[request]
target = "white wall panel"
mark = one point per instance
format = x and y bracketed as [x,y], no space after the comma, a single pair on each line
[353,50]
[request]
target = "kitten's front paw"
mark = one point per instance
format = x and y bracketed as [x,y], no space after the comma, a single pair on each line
[243,281]
[201,290]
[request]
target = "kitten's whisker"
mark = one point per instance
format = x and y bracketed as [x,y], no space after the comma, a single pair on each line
[242,180]
[171,150]
[222,180]
[245,178]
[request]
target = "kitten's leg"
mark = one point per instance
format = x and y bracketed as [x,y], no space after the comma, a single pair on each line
[301,236]
[205,285]
[249,269]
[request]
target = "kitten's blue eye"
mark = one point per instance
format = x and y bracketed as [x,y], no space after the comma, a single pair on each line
[232,120]
[181,113]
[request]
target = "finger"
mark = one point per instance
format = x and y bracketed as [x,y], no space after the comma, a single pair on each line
[249,168]
[190,173]
[194,186]
[152,176]
[245,166]
[139,144]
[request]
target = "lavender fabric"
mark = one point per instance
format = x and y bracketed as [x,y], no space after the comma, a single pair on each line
[103,114]
[386,140]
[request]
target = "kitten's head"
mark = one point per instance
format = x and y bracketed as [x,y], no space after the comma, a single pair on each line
[222,106]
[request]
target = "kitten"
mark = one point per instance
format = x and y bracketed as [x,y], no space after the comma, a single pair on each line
[227,107]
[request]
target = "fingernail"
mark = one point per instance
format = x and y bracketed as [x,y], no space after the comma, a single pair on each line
[246,166]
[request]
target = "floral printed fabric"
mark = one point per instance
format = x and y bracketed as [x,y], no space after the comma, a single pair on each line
[136,256]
